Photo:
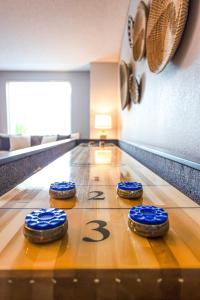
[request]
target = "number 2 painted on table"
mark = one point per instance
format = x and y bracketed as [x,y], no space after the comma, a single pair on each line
[101,228]
[97,196]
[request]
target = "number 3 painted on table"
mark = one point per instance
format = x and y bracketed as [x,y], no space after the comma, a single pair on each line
[105,233]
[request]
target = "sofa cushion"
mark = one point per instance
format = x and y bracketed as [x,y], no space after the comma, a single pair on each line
[36,140]
[19,142]
[4,142]
[75,135]
[63,137]
[49,139]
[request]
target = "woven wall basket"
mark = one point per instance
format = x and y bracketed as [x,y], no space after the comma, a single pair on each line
[134,89]
[130,31]
[165,26]
[139,32]
[124,91]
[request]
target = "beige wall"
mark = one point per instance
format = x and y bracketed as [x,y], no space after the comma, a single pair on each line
[104,96]
[168,116]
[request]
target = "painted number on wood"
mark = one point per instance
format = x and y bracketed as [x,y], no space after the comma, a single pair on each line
[98,195]
[101,228]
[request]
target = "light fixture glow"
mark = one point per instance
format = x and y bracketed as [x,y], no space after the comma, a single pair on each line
[103,121]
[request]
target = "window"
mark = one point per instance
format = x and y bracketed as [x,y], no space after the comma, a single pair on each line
[39,108]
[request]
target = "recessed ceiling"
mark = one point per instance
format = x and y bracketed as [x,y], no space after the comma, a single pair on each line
[60,34]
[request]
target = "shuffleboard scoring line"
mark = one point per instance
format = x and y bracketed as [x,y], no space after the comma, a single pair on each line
[100,208]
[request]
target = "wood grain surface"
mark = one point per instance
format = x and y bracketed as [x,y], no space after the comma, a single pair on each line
[99,249]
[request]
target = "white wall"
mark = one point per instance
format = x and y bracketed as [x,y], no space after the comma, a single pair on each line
[80,83]
[104,96]
[168,116]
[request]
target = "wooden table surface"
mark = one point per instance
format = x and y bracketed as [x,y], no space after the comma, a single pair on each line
[112,247]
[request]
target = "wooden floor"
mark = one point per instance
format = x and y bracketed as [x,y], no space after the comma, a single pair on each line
[99,249]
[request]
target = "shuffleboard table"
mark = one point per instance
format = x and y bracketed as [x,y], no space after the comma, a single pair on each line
[99,257]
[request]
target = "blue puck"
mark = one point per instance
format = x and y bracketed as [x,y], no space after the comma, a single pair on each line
[149,215]
[62,186]
[129,186]
[44,219]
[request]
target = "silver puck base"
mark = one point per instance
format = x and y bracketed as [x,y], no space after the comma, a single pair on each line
[62,194]
[130,194]
[45,236]
[151,231]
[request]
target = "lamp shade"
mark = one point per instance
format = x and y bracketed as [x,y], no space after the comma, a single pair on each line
[103,121]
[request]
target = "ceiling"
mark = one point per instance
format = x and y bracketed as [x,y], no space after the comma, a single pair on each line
[60,34]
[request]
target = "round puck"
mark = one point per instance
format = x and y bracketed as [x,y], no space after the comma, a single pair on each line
[62,190]
[45,225]
[148,221]
[130,190]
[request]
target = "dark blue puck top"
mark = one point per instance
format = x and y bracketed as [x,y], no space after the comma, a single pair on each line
[129,186]
[45,218]
[150,215]
[62,186]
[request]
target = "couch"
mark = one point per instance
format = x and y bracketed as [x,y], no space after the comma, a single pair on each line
[16,142]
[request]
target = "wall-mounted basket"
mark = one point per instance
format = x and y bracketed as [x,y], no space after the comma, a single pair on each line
[139,32]
[165,27]
[124,77]
[134,89]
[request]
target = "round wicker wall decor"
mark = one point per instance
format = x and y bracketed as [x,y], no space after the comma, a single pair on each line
[134,89]
[165,26]
[124,76]
[130,31]
[139,32]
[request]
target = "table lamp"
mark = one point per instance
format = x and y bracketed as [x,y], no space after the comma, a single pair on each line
[103,122]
